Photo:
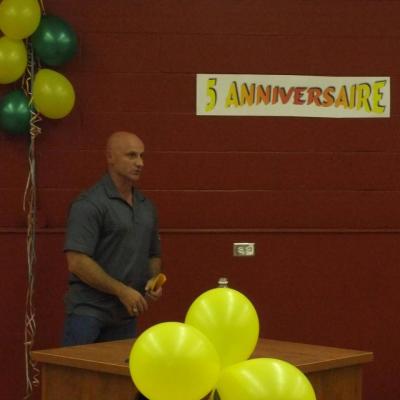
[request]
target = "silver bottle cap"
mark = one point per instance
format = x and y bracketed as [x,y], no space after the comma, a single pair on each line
[223,282]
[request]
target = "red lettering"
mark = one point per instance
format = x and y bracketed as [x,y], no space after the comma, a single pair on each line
[275,91]
[285,97]
[313,96]
[263,95]
[298,94]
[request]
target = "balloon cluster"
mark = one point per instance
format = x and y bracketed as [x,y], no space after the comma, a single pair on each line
[53,42]
[209,353]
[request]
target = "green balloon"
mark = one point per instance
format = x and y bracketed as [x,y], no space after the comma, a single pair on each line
[54,41]
[15,113]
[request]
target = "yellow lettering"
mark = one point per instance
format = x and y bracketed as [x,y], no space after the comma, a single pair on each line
[377,96]
[363,93]
[352,102]
[341,99]
[232,99]
[211,93]
[246,94]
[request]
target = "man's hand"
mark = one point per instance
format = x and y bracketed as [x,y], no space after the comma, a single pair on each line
[154,294]
[133,301]
[154,286]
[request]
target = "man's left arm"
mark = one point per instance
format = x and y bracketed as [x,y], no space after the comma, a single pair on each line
[154,259]
[154,265]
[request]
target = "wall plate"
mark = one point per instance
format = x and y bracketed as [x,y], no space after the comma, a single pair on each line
[244,249]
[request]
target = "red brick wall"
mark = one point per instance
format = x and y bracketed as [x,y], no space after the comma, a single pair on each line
[318,196]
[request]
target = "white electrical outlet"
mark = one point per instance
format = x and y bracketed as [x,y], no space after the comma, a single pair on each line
[244,249]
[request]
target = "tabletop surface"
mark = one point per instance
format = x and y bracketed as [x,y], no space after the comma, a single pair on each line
[111,357]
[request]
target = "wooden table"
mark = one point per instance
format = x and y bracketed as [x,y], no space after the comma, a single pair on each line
[99,371]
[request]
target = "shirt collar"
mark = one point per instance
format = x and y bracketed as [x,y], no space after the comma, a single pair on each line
[112,191]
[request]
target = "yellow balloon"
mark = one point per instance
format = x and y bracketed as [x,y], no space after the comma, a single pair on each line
[229,320]
[53,94]
[264,379]
[171,361]
[13,59]
[19,18]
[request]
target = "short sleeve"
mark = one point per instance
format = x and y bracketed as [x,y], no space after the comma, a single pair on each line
[83,227]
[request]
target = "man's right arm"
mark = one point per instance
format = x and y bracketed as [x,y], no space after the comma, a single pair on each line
[90,272]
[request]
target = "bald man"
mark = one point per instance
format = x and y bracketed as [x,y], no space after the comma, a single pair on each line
[112,248]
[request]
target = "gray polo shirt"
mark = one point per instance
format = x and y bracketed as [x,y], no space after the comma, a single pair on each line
[120,238]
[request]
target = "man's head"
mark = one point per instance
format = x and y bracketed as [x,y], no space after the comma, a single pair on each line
[125,156]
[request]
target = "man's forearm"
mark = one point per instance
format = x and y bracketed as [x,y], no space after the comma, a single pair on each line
[155,265]
[86,269]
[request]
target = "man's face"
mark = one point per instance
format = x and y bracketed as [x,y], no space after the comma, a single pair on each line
[125,158]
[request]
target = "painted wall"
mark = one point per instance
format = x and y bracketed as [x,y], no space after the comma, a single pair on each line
[319,197]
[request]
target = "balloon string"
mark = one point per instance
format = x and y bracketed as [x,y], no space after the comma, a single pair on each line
[27,82]
[42,7]
[29,203]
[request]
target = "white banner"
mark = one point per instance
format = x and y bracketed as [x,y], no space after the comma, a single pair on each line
[293,95]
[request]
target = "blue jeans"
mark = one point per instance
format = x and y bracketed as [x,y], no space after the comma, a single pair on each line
[83,329]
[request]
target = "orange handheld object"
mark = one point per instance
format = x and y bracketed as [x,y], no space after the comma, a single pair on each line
[157,281]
